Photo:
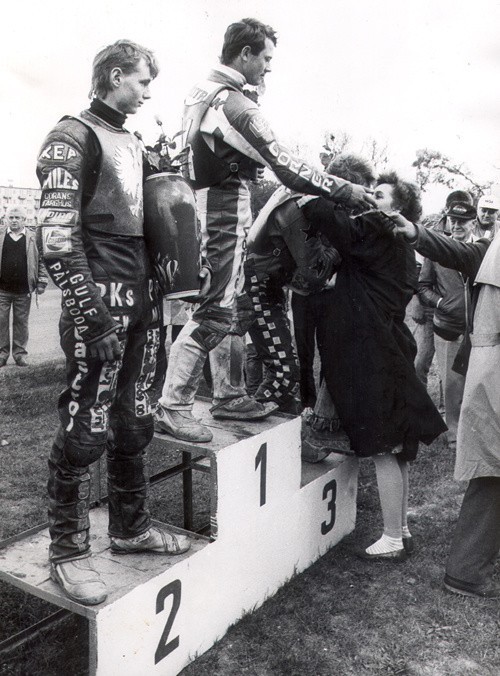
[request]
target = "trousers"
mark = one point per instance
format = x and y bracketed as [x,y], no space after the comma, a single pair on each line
[453,383]
[308,312]
[272,338]
[104,409]
[19,304]
[476,540]
[185,368]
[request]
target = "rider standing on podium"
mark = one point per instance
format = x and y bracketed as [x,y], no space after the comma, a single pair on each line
[91,220]
[227,140]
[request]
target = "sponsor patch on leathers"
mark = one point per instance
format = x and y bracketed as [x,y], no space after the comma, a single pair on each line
[56,240]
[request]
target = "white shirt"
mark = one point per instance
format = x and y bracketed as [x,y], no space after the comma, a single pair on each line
[16,235]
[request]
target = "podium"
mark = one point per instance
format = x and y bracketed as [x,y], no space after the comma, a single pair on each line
[272,516]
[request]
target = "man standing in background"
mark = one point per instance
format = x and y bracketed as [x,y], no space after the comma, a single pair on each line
[487,213]
[444,290]
[22,273]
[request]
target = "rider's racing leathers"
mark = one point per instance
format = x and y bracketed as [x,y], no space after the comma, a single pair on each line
[91,229]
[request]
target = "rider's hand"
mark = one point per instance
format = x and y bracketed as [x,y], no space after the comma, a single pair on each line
[106,349]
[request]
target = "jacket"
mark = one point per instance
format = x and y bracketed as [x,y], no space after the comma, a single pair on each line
[85,252]
[226,137]
[281,250]
[478,440]
[444,290]
[367,357]
[37,274]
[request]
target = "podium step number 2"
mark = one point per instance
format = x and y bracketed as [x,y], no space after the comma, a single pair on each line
[272,517]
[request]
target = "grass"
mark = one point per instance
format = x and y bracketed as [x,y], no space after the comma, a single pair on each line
[343,616]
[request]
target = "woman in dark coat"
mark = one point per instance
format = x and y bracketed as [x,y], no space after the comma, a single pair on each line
[367,351]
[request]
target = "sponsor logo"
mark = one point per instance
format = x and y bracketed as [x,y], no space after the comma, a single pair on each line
[259,125]
[196,96]
[58,152]
[171,269]
[56,240]
[106,390]
[286,159]
[58,199]
[54,217]
[61,179]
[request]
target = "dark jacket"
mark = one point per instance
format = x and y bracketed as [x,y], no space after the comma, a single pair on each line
[368,355]
[285,253]
[444,290]
[79,257]
[37,275]
[464,257]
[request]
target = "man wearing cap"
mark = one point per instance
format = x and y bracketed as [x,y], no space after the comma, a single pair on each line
[444,290]
[22,273]
[421,315]
[487,213]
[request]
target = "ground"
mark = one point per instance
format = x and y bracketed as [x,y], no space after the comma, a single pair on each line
[343,616]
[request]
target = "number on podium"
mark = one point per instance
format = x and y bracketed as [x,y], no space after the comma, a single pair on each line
[329,489]
[165,647]
[261,459]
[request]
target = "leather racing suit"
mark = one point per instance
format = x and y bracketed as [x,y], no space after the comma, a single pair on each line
[281,251]
[91,225]
[227,139]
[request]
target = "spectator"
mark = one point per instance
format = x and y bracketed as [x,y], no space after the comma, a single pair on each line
[422,316]
[476,541]
[109,324]
[228,140]
[22,273]
[487,214]
[444,290]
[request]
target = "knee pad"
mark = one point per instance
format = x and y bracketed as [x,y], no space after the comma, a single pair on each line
[81,454]
[208,335]
[129,441]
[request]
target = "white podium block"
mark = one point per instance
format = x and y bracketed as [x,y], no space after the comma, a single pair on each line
[275,516]
[256,473]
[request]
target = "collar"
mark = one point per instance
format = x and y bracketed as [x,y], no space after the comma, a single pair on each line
[107,113]
[16,235]
[231,74]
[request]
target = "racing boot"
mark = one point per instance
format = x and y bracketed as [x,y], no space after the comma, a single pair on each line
[127,491]
[154,541]
[80,581]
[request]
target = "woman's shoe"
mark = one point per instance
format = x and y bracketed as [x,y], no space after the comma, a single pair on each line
[396,555]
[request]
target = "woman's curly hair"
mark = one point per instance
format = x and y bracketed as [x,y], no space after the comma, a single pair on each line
[405,195]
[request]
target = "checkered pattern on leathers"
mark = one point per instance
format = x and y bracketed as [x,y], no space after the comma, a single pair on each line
[271,335]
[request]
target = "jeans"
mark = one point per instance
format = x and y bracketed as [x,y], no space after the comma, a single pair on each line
[20,304]
[453,383]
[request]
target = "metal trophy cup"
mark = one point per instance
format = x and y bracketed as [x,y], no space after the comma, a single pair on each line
[172,234]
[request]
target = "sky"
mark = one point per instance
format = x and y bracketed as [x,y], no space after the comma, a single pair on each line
[409,73]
